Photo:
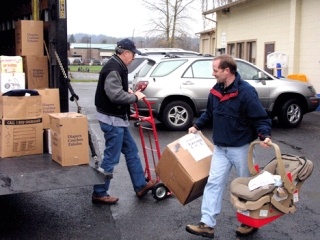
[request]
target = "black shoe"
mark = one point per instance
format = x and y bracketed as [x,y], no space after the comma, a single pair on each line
[201,230]
[245,230]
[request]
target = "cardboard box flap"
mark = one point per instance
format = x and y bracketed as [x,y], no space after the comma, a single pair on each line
[20,107]
[68,115]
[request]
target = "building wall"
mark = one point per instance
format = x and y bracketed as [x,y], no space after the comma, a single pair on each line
[207,42]
[292,25]
[85,53]
[309,53]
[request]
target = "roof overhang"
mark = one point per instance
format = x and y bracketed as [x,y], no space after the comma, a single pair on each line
[212,30]
[227,5]
[106,54]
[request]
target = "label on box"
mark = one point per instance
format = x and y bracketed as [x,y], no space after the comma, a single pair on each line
[21,137]
[196,146]
[12,81]
[10,64]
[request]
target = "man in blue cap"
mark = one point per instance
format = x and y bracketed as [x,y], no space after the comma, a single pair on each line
[112,99]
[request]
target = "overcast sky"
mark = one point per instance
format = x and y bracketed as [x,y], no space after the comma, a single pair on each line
[115,18]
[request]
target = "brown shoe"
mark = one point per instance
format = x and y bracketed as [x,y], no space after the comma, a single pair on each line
[105,199]
[245,230]
[147,187]
[201,230]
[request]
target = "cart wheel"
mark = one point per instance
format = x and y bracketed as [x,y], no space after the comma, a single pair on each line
[136,124]
[160,191]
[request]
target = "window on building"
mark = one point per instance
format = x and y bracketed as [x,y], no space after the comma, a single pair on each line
[251,52]
[231,49]
[243,49]
[239,49]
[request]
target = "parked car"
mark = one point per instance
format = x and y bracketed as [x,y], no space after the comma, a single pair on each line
[167,52]
[178,89]
[77,62]
[95,62]
[140,60]
[86,62]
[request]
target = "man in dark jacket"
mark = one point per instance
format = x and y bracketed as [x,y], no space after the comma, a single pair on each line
[112,99]
[238,118]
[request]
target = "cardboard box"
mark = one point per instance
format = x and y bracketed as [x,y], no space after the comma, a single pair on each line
[184,166]
[9,64]
[12,81]
[50,104]
[69,138]
[29,38]
[20,126]
[36,70]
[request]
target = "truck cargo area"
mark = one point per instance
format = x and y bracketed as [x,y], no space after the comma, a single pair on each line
[39,172]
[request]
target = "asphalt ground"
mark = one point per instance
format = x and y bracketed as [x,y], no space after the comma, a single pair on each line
[69,213]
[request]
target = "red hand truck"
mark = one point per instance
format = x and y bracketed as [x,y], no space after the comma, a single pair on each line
[151,148]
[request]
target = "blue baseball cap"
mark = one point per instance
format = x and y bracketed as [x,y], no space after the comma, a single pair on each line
[127,44]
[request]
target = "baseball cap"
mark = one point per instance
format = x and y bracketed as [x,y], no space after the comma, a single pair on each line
[127,44]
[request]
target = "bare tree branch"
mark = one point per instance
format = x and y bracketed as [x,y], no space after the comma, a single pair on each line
[170,18]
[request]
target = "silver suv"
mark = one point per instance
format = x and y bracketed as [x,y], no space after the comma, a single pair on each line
[178,89]
[140,60]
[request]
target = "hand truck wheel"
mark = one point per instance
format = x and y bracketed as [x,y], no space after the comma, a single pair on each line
[160,191]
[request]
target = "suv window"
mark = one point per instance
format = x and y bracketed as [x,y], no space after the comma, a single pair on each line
[249,72]
[145,69]
[164,68]
[134,64]
[199,69]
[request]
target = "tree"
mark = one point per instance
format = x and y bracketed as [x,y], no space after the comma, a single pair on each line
[170,19]
[72,39]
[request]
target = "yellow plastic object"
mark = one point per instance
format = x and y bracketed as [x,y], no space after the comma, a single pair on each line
[299,77]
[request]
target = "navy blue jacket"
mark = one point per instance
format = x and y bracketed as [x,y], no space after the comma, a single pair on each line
[237,114]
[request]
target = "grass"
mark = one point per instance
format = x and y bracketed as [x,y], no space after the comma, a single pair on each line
[91,69]
[85,68]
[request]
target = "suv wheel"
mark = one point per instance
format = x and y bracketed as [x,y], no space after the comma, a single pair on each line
[177,116]
[290,114]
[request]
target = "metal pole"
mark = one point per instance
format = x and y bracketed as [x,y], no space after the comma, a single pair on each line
[35,9]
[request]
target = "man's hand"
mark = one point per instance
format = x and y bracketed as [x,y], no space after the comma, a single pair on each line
[139,94]
[265,143]
[192,130]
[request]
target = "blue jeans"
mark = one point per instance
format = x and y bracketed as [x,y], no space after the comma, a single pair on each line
[119,140]
[221,164]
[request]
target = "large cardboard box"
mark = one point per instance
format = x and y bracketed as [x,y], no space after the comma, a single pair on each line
[36,70]
[69,138]
[184,166]
[9,64]
[50,104]
[12,81]
[21,131]
[29,38]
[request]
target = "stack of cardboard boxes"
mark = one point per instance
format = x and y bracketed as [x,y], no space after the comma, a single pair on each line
[26,124]
[30,45]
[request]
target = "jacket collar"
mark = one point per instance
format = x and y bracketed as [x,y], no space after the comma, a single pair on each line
[121,63]
[229,92]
